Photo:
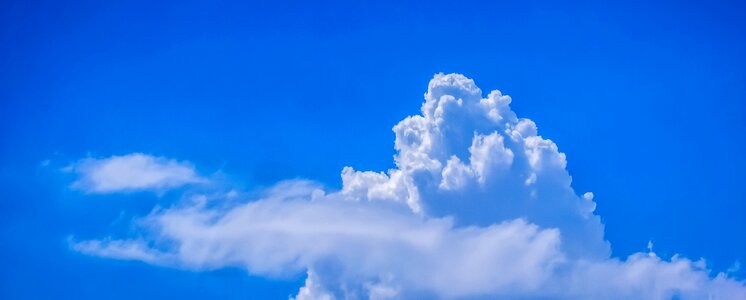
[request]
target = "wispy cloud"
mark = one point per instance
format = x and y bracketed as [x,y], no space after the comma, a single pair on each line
[478,205]
[132,172]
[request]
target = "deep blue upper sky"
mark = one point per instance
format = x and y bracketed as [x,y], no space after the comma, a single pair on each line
[648,101]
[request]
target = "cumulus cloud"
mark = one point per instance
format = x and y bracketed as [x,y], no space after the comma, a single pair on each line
[132,172]
[478,206]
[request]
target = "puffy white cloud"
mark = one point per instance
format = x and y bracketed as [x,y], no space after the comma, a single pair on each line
[478,206]
[511,171]
[132,172]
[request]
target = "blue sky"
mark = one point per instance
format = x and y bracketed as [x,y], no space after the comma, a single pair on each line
[646,99]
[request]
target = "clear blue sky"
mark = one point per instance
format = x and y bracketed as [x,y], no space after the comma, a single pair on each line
[647,99]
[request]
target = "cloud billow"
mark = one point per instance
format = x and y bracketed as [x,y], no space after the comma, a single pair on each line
[478,206]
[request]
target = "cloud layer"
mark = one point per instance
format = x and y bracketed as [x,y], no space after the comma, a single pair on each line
[478,206]
[132,172]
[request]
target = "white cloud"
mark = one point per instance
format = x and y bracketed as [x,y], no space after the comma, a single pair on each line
[290,231]
[479,205]
[132,172]
[125,250]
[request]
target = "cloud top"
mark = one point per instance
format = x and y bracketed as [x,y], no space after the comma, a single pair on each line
[473,159]
[132,172]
